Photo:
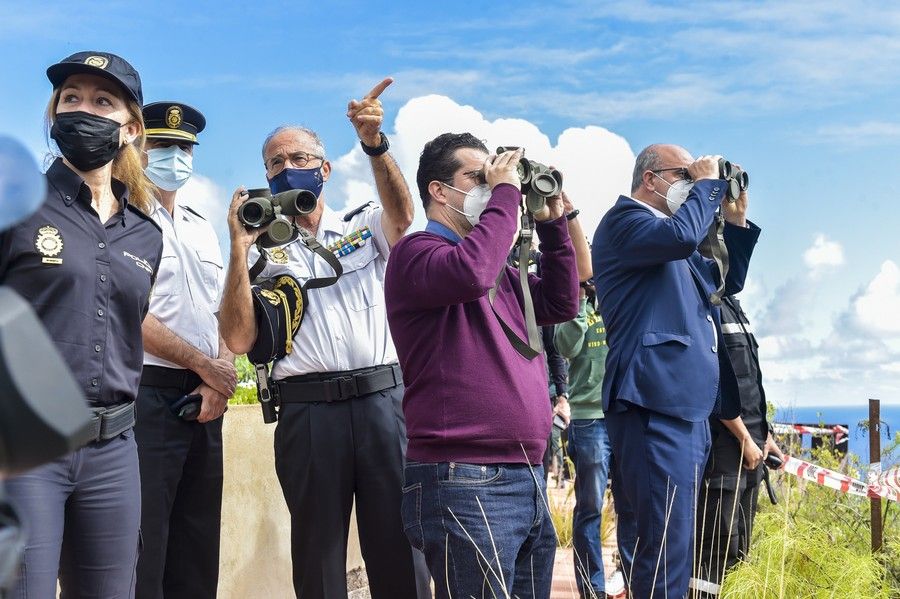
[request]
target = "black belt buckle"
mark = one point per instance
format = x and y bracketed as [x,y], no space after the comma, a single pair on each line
[346,388]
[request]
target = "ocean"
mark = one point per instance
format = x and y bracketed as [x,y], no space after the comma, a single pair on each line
[850,416]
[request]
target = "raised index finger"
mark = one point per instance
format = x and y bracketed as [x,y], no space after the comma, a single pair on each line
[376,91]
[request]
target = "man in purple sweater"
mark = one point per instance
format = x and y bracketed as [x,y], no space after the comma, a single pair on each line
[476,410]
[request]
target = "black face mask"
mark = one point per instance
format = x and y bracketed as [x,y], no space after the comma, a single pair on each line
[86,140]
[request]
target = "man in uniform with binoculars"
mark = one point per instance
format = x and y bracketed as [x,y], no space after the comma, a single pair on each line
[340,431]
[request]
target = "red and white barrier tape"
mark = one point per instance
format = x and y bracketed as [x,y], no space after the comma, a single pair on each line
[882,487]
[784,429]
[890,478]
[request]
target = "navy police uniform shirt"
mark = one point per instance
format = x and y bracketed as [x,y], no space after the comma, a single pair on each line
[88,281]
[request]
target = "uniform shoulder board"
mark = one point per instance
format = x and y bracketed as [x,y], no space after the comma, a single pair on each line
[192,211]
[144,216]
[349,216]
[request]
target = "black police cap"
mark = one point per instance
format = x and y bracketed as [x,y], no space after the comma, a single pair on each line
[104,64]
[173,120]
[278,306]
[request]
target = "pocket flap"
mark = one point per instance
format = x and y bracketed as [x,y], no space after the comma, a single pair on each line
[658,338]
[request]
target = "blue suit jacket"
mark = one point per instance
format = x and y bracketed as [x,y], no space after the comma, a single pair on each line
[666,351]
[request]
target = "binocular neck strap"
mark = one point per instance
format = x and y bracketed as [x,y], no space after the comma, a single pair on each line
[532,348]
[259,265]
[715,237]
[309,240]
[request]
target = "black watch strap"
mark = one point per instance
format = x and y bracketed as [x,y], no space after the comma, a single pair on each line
[379,149]
[573,214]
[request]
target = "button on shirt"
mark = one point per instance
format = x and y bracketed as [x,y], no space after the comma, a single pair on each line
[345,326]
[189,285]
[88,281]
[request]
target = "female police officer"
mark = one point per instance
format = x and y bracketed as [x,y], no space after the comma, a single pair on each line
[86,261]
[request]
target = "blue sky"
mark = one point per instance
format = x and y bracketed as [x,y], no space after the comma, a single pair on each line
[804,96]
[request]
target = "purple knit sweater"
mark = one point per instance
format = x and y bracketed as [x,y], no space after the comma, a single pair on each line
[470,397]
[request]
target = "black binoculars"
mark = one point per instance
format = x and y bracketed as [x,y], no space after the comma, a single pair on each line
[737,179]
[262,209]
[539,182]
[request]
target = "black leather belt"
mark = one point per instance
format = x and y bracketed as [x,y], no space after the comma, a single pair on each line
[338,386]
[175,378]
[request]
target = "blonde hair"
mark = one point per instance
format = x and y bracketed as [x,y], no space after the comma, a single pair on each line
[127,166]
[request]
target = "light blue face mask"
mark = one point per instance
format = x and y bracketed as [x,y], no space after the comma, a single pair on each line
[169,168]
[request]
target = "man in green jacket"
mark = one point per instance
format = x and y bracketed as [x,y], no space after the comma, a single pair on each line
[583,341]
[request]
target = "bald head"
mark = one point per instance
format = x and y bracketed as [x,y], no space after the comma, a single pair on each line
[655,157]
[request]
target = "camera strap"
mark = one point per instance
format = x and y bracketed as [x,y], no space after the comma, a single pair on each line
[715,241]
[532,348]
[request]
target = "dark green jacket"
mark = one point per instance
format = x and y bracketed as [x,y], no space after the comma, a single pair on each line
[583,341]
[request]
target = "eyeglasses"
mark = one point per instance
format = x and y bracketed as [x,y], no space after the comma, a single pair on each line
[298,160]
[680,171]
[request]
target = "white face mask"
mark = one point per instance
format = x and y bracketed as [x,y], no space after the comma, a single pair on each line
[169,168]
[475,202]
[677,194]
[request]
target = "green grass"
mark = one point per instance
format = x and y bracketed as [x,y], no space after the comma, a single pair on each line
[816,542]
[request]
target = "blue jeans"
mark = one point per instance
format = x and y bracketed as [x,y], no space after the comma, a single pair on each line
[590,452]
[484,528]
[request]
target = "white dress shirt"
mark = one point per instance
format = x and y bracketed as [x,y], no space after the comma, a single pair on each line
[345,325]
[189,283]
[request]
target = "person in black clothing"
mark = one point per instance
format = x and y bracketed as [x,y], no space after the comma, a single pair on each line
[86,262]
[727,500]
[558,375]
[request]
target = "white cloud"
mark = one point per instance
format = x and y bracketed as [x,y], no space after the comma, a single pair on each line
[823,254]
[210,201]
[859,356]
[876,310]
[867,133]
[595,162]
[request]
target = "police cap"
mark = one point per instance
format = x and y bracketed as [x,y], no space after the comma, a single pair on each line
[174,121]
[278,306]
[104,64]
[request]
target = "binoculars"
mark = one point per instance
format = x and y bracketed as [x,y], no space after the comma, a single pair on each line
[262,209]
[539,182]
[737,179]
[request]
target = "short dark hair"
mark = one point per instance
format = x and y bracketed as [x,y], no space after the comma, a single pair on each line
[438,160]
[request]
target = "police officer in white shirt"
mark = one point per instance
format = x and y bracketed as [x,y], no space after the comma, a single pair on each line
[187,379]
[340,432]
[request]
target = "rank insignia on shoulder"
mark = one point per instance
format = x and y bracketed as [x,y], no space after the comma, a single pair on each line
[350,243]
[358,210]
[49,243]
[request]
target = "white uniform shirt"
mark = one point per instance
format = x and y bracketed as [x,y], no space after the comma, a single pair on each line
[345,325]
[189,283]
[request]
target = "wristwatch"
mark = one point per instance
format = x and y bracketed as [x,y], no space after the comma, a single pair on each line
[379,149]
[573,214]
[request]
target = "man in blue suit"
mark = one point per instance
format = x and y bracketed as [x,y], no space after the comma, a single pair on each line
[664,369]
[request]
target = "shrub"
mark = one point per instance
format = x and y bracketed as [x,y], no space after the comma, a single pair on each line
[816,542]
[246,388]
